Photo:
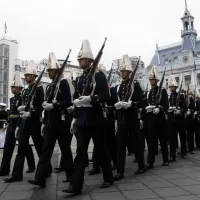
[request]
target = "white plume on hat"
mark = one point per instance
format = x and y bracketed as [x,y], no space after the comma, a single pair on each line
[172,81]
[153,73]
[17,81]
[85,51]
[52,62]
[31,68]
[126,64]
[3,104]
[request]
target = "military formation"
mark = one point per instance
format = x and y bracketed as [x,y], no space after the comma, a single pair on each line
[116,117]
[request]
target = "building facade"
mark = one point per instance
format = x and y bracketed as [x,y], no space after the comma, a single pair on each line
[183,58]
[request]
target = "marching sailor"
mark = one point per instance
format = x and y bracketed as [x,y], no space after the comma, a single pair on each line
[89,122]
[30,125]
[156,120]
[128,120]
[14,118]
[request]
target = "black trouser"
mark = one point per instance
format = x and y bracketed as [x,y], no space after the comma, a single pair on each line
[30,127]
[63,162]
[83,136]
[55,130]
[157,131]
[197,131]
[9,147]
[132,130]
[190,132]
[172,131]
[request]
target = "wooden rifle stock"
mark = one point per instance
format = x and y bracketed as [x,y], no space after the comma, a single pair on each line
[158,96]
[50,97]
[32,93]
[90,76]
[129,88]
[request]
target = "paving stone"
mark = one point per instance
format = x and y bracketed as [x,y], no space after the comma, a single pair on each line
[17,195]
[108,196]
[172,176]
[93,181]
[158,184]
[184,182]
[190,197]
[21,187]
[140,194]
[170,192]
[131,186]
[148,178]
[96,189]
[194,189]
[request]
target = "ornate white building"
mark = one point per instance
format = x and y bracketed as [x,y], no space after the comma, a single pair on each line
[183,58]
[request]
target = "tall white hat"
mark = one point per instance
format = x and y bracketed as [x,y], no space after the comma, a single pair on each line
[17,81]
[85,51]
[52,62]
[126,64]
[172,81]
[31,68]
[153,73]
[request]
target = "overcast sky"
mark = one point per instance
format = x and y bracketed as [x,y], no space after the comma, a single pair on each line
[131,26]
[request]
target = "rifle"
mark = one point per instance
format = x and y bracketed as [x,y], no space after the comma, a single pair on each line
[187,96]
[91,74]
[129,89]
[32,93]
[158,96]
[179,94]
[53,89]
[110,74]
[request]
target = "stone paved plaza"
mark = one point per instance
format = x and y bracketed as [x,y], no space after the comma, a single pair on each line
[179,181]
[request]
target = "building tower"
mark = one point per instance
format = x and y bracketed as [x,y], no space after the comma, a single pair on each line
[188,34]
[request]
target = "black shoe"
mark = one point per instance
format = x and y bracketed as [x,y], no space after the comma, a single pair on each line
[94,171]
[67,180]
[118,177]
[106,184]
[140,171]
[12,179]
[165,164]
[129,154]
[179,153]
[192,152]
[30,171]
[38,183]
[91,160]
[2,173]
[87,164]
[59,169]
[149,166]
[70,190]
[172,160]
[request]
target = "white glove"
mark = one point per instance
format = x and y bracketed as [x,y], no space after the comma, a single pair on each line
[188,113]
[177,112]
[77,103]
[16,133]
[115,126]
[118,105]
[47,106]
[195,113]
[126,105]
[70,109]
[26,115]
[149,108]
[21,108]
[171,109]
[156,111]
[42,130]
[85,99]
[73,126]
[140,110]
[141,124]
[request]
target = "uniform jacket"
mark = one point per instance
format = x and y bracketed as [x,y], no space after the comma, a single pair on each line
[89,116]
[128,116]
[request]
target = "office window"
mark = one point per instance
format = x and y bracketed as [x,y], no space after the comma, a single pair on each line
[17,68]
[5,76]
[1,63]
[5,100]
[1,50]
[187,80]
[4,89]
[6,51]
[198,79]
[5,66]
[177,79]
